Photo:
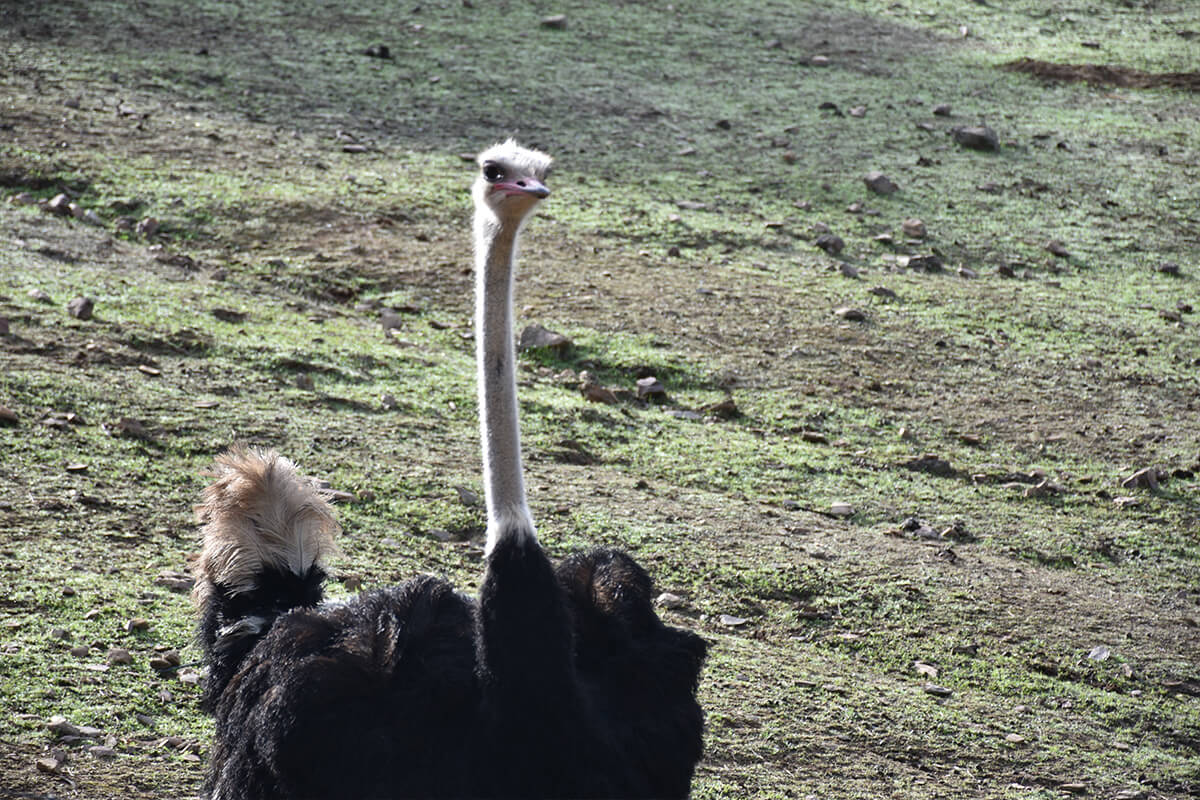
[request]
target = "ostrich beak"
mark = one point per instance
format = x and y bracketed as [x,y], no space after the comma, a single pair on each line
[531,187]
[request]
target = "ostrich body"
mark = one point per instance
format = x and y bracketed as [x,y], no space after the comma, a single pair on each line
[558,682]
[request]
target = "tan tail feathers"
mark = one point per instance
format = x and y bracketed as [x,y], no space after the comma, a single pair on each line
[259,513]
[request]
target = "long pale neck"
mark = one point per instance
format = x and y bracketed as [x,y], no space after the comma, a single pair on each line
[503,479]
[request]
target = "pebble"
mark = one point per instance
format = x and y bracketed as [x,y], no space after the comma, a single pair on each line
[732,622]
[669,600]
[882,291]
[556,22]
[1014,738]
[81,307]
[937,691]
[59,204]
[119,655]
[850,314]
[137,624]
[977,137]
[80,651]
[913,228]
[1057,248]
[1146,477]
[831,243]
[841,510]
[879,183]
[147,227]
[942,110]
[536,336]
[50,765]
[649,388]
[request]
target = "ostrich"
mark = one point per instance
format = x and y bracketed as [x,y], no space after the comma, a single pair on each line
[557,682]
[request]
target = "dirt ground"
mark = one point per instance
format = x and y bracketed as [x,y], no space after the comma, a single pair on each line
[1040,393]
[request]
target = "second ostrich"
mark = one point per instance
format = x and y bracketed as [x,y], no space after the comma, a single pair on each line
[556,682]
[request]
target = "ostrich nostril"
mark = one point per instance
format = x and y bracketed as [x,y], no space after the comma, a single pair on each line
[521,184]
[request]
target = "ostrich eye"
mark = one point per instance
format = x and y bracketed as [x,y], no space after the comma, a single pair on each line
[492,173]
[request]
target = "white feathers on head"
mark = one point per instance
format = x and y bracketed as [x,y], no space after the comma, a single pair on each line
[522,159]
[257,513]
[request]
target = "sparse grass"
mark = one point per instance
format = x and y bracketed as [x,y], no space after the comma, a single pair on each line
[1067,368]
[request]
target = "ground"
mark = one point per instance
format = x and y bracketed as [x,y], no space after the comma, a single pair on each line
[911,539]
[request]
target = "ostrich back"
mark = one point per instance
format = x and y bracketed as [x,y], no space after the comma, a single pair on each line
[392,694]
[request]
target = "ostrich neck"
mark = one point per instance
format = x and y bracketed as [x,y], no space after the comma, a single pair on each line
[503,480]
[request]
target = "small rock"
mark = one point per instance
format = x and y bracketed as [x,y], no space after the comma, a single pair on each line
[879,183]
[841,510]
[850,314]
[596,393]
[831,243]
[814,437]
[883,292]
[305,382]
[819,61]
[1170,315]
[650,389]
[731,621]
[536,336]
[23,199]
[1147,478]
[942,110]
[119,655]
[925,263]
[1014,738]
[591,389]
[81,307]
[1073,788]
[49,765]
[175,581]
[556,22]
[466,496]
[3,326]
[913,228]
[937,691]
[137,624]
[725,409]
[1127,502]
[147,227]
[189,676]
[668,600]
[102,751]
[389,402]
[848,270]
[931,464]
[1099,653]
[8,416]
[674,252]
[60,727]
[127,426]
[968,273]
[927,670]
[80,651]
[358,148]
[858,111]
[59,204]
[1057,248]
[977,137]
[1168,268]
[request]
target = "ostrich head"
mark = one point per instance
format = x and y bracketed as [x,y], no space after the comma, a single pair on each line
[510,181]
